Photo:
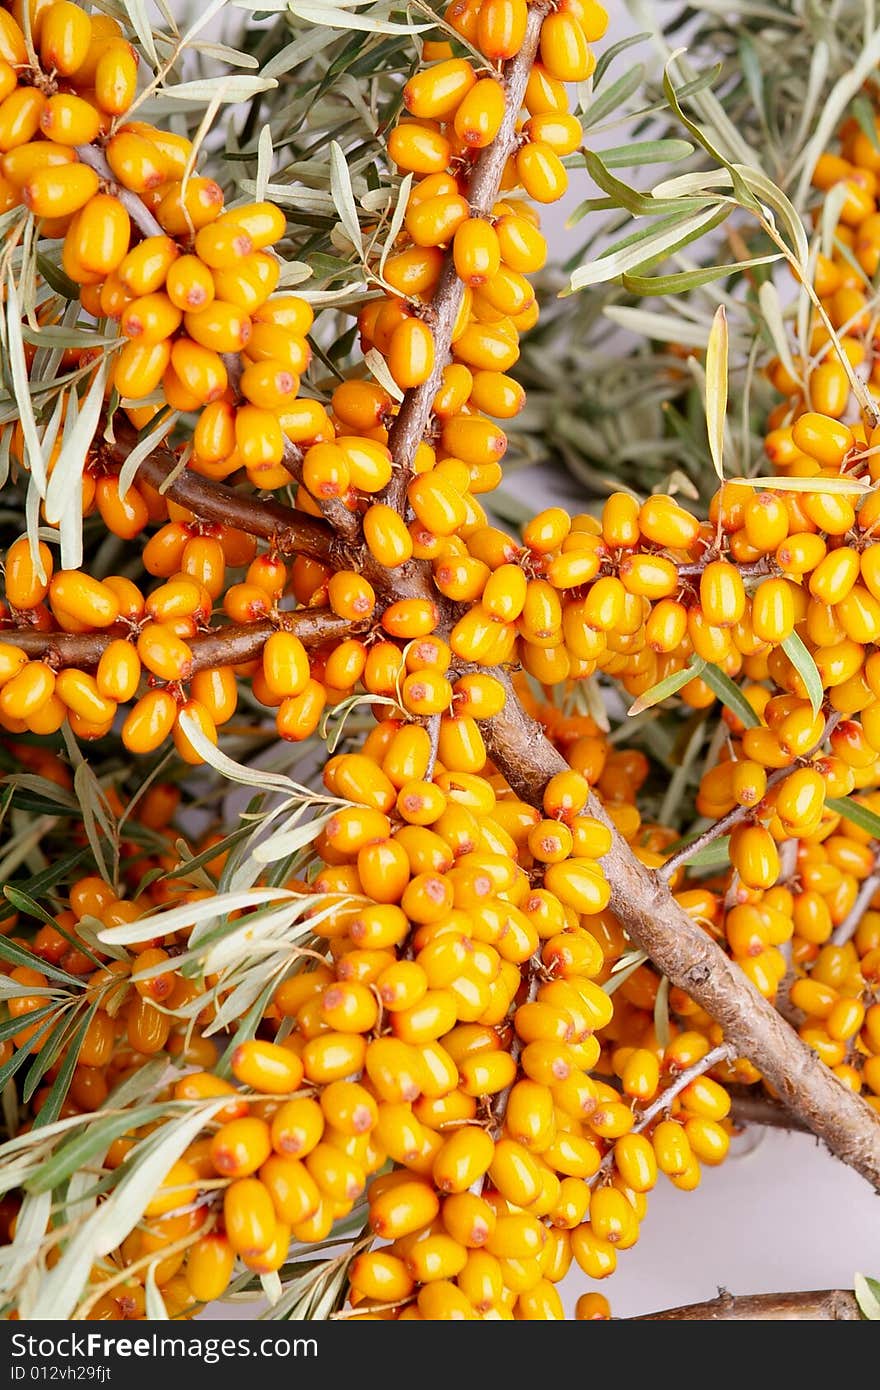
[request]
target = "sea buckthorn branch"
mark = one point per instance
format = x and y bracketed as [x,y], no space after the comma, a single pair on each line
[820,1305]
[291,532]
[415,411]
[740,813]
[139,213]
[222,646]
[693,962]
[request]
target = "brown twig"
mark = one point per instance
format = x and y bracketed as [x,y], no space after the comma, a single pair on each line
[680,948]
[819,1305]
[291,532]
[140,215]
[415,411]
[222,646]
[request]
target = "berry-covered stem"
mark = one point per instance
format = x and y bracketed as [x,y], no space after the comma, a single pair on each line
[724,824]
[415,411]
[222,646]
[820,1305]
[684,952]
[723,1053]
[139,213]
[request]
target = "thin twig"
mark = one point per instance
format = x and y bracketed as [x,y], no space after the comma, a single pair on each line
[820,1305]
[138,212]
[723,1053]
[415,411]
[740,813]
[850,923]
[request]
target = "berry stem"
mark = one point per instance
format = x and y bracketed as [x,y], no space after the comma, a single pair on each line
[415,411]
[140,215]
[820,1305]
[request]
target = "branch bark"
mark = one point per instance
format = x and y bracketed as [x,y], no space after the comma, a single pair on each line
[692,961]
[290,531]
[222,646]
[820,1305]
[415,411]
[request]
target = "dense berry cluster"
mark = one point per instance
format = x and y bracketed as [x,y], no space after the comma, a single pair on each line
[468,1051]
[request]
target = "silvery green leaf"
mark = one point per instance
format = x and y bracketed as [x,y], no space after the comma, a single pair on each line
[264,163]
[293,55]
[374,360]
[609,267]
[272,1287]
[343,197]
[111,1222]
[343,19]
[223,89]
[155,1309]
[144,448]
[396,220]
[67,475]
[285,842]
[136,11]
[191,914]
[803,663]
[233,771]
[21,387]
[30,1231]
[771,308]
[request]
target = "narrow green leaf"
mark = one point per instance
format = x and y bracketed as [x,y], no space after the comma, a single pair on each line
[867,1292]
[646,152]
[729,694]
[857,812]
[613,97]
[609,54]
[56,278]
[20,955]
[343,198]
[805,666]
[716,388]
[686,280]
[670,685]
[661,1012]
[51,1107]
